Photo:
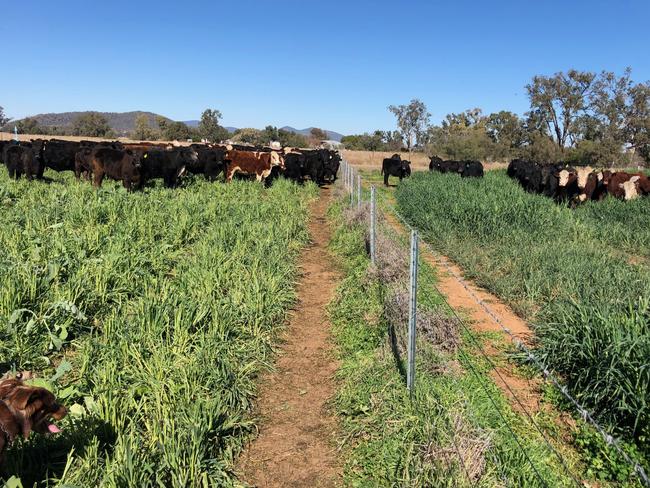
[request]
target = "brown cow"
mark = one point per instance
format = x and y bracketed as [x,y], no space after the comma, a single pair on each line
[255,163]
[628,186]
[116,164]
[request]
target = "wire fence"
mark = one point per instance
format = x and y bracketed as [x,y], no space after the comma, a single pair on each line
[409,325]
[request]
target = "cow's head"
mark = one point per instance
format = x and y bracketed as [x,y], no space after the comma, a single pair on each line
[135,168]
[583,174]
[190,155]
[630,188]
[435,163]
[277,159]
[406,168]
[566,177]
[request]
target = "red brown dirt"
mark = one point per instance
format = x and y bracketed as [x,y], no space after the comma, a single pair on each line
[296,442]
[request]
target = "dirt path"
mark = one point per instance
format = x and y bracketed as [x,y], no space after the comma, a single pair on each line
[296,447]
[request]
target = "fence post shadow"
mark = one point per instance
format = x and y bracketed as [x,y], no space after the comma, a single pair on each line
[399,362]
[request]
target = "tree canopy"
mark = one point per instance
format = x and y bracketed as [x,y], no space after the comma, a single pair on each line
[143,130]
[413,121]
[92,124]
[175,131]
[575,116]
[4,120]
[209,127]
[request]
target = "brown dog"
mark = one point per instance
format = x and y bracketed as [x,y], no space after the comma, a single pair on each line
[24,409]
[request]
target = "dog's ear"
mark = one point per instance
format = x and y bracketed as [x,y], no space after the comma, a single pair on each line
[27,400]
[21,396]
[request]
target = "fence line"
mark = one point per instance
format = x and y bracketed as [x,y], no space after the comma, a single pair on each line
[584,413]
[413,311]
[413,264]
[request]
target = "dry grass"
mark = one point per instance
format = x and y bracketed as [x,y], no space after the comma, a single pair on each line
[469,446]
[6,136]
[391,265]
[371,160]
[438,330]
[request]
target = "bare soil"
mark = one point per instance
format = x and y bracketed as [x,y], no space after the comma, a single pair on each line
[296,443]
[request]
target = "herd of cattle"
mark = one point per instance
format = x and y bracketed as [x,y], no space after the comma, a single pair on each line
[576,185]
[396,166]
[561,182]
[135,164]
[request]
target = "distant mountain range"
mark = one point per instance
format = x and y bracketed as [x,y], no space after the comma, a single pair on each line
[331,135]
[123,123]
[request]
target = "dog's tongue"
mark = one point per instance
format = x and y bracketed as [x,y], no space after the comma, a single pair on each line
[53,428]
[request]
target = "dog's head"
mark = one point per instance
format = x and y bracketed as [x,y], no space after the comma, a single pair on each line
[9,381]
[35,406]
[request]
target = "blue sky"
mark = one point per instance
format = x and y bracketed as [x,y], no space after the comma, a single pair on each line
[334,64]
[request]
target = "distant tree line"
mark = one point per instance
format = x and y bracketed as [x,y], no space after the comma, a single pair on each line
[577,117]
[271,133]
[94,124]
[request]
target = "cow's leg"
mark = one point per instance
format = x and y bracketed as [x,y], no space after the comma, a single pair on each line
[386,179]
[98,177]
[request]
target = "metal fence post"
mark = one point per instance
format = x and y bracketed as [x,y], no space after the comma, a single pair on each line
[358,190]
[351,186]
[373,219]
[347,176]
[410,376]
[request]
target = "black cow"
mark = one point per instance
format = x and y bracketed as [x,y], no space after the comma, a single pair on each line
[209,162]
[294,166]
[557,181]
[314,165]
[167,164]
[466,168]
[332,163]
[60,155]
[3,146]
[20,159]
[532,176]
[395,166]
[471,169]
